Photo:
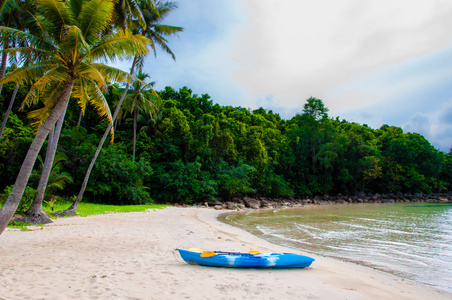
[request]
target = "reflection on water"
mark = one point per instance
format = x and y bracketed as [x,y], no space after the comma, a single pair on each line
[412,240]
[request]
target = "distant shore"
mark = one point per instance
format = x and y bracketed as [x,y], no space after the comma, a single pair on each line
[131,256]
[238,203]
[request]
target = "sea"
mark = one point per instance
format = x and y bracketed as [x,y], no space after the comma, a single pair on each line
[409,240]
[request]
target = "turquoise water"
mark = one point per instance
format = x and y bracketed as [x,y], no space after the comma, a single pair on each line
[411,240]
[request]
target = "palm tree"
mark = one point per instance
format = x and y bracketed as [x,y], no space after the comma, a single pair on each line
[35,212]
[66,58]
[8,110]
[125,12]
[129,10]
[9,10]
[19,15]
[156,32]
[146,122]
[16,14]
[57,178]
[139,101]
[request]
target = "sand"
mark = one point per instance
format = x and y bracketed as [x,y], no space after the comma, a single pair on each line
[131,256]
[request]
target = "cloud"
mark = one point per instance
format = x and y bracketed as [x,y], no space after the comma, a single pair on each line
[312,47]
[435,126]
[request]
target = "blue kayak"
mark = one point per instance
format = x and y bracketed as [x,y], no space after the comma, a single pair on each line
[254,259]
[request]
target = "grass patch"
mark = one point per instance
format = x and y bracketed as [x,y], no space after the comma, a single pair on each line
[88,209]
[22,226]
[91,209]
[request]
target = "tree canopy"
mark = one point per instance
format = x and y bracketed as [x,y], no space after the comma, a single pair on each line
[194,150]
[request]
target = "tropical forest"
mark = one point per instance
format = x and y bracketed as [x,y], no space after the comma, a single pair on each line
[75,128]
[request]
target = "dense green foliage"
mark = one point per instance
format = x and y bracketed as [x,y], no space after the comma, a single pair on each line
[194,150]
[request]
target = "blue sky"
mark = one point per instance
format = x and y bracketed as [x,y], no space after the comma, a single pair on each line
[371,62]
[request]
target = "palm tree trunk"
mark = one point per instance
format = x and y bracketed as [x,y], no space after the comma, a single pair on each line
[72,209]
[80,117]
[3,66]
[10,206]
[135,118]
[35,213]
[10,106]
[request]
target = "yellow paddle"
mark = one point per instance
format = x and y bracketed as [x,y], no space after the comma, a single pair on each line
[208,254]
[212,253]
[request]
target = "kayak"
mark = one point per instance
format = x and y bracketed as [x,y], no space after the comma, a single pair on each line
[253,259]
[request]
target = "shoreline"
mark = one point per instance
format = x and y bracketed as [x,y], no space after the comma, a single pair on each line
[131,256]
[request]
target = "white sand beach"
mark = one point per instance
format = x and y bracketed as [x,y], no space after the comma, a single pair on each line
[131,256]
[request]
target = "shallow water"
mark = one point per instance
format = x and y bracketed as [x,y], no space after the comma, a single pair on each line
[411,240]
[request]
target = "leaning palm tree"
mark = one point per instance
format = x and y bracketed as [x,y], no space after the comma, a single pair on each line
[19,15]
[15,14]
[9,11]
[35,214]
[57,179]
[156,32]
[67,57]
[140,100]
[8,110]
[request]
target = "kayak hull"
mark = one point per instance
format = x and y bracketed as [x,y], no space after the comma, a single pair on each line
[246,260]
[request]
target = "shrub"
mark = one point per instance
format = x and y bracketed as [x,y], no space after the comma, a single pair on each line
[25,202]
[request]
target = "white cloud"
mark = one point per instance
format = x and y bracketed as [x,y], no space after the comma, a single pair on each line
[435,126]
[308,48]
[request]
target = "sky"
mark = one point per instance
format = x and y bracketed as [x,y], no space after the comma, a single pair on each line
[370,62]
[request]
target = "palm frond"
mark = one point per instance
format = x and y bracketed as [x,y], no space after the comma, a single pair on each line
[58,159]
[49,97]
[38,116]
[95,16]
[91,73]
[6,6]
[80,93]
[120,45]
[27,54]
[87,91]
[76,7]
[167,29]
[31,20]
[25,76]
[163,9]
[51,80]
[58,74]
[58,13]
[73,42]
[23,37]
[57,182]
[139,62]
[112,74]
[162,42]
[98,101]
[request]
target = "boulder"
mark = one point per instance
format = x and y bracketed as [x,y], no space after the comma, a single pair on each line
[251,203]
[232,205]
